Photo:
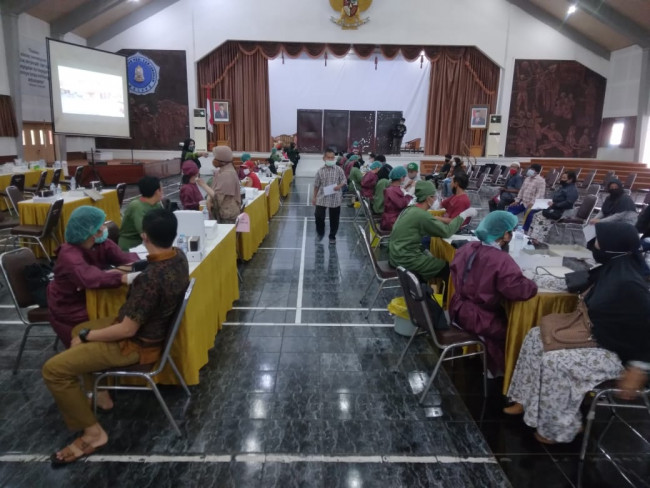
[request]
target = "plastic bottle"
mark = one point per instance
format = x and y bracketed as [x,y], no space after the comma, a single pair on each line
[206,215]
[73,184]
[58,189]
[53,188]
[519,232]
[181,243]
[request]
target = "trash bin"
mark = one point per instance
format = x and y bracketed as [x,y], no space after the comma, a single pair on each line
[403,324]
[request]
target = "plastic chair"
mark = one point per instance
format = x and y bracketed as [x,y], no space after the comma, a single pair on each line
[445,339]
[40,185]
[384,272]
[605,397]
[147,372]
[13,265]
[40,232]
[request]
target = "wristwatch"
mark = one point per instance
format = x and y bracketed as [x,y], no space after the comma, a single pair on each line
[83,335]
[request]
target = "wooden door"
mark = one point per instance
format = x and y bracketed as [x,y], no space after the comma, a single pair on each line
[335,130]
[310,131]
[38,142]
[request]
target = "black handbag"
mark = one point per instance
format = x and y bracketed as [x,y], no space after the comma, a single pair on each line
[578,281]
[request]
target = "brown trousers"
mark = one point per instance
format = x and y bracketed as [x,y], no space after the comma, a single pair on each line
[62,374]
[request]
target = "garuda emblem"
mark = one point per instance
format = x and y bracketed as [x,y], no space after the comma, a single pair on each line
[350,12]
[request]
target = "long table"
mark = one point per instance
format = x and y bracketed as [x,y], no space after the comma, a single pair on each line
[249,242]
[285,181]
[35,213]
[273,196]
[214,292]
[31,179]
[522,316]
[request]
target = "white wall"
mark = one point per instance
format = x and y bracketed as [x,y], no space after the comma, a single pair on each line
[7,144]
[502,31]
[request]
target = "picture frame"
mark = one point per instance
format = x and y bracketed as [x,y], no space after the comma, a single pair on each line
[478,116]
[221,111]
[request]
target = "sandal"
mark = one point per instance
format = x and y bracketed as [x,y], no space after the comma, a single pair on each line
[514,409]
[69,456]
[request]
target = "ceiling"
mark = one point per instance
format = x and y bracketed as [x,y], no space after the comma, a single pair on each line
[599,25]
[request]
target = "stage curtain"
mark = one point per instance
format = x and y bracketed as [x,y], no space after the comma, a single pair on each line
[460,77]
[8,125]
[364,51]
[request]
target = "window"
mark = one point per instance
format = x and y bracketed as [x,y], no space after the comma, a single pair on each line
[616,135]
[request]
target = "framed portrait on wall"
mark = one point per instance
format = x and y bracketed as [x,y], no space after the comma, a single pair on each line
[478,117]
[221,111]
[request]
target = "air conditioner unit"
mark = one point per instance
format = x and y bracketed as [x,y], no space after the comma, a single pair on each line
[493,142]
[200,135]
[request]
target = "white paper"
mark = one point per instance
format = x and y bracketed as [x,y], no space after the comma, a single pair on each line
[589,231]
[541,204]
[329,190]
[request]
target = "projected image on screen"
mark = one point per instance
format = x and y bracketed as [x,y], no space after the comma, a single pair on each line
[90,93]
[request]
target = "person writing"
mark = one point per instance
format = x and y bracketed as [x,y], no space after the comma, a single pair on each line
[484,275]
[394,198]
[151,194]
[82,263]
[411,178]
[136,336]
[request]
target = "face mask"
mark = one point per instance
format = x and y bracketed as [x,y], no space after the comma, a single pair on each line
[102,238]
[615,192]
[601,256]
[191,147]
[329,163]
[530,172]
[513,171]
[564,183]
[247,171]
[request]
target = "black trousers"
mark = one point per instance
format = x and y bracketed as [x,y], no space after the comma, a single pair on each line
[335,213]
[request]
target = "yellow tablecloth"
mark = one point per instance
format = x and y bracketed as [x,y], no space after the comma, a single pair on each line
[31,179]
[522,316]
[215,290]
[285,181]
[273,198]
[248,242]
[35,214]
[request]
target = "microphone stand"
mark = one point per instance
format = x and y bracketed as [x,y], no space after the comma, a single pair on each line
[94,167]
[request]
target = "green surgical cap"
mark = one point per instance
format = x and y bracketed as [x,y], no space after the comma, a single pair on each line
[495,225]
[412,166]
[84,222]
[397,173]
[354,157]
[245,157]
[424,189]
[375,165]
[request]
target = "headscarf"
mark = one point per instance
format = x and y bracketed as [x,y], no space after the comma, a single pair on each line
[423,190]
[245,157]
[495,225]
[189,168]
[617,204]
[397,173]
[84,222]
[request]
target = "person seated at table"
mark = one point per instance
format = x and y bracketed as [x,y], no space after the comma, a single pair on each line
[151,193]
[548,386]
[377,202]
[564,198]
[385,169]
[263,169]
[415,223]
[617,207]
[533,188]
[394,198]
[509,189]
[484,275]
[83,262]
[251,180]
[355,174]
[411,178]
[224,202]
[188,152]
[190,194]
[458,201]
[349,164]
[245,157]
[136,336]
[369,180]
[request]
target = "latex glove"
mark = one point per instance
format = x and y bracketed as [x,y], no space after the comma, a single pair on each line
[131,276]
[470,212]
[436,205]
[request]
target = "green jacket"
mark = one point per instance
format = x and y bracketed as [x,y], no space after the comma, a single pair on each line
[132,223]
[378,197]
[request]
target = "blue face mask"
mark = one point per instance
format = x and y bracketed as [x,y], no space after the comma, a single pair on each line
[103,237]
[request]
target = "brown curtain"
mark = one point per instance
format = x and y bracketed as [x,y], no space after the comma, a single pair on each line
[8,125]
[460,78]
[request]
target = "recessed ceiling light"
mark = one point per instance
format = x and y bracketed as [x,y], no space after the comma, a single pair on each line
[572,9]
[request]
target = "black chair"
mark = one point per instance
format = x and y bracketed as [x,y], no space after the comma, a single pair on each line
[147,372]
[40,185]
[17,180]
[40,232]
[13,265]
[446,340]
[113,231]
[121,190]
[380,235]
[78,175]
[56,176]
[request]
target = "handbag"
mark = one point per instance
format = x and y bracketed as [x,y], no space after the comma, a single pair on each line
[567,330]
[578,281]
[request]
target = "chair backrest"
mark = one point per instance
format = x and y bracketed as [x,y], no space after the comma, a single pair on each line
[56,176]
[53,216]
[551,177]
[577,171]
[41,181]
[369,251]
[13,265]
[586,207]
[593,189]
[646,200]
[479,182]
[121,190]
[15,196]
[629,181]
[610,175]
[588,179]
[366,210]
[175,324]
[78,174]
[18,180]
[113,231]
[417,306]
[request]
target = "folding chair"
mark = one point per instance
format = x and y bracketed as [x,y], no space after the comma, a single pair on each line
[147,372]
[40,185]
[78,174]
[40,232]
[425,320]
[384,272]
[18,181]
[13,265]
[121,190]
[475,190]
[629,181]
[379,235]
[580,218]
[589,179]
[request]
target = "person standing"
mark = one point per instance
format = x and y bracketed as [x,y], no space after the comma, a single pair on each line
[225,201]
[398,135]
[330,180]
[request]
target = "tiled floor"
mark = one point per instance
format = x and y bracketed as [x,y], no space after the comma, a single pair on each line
[285,402]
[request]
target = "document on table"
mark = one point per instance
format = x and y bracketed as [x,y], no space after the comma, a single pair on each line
[329,190]
[589,231]
[541,204]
